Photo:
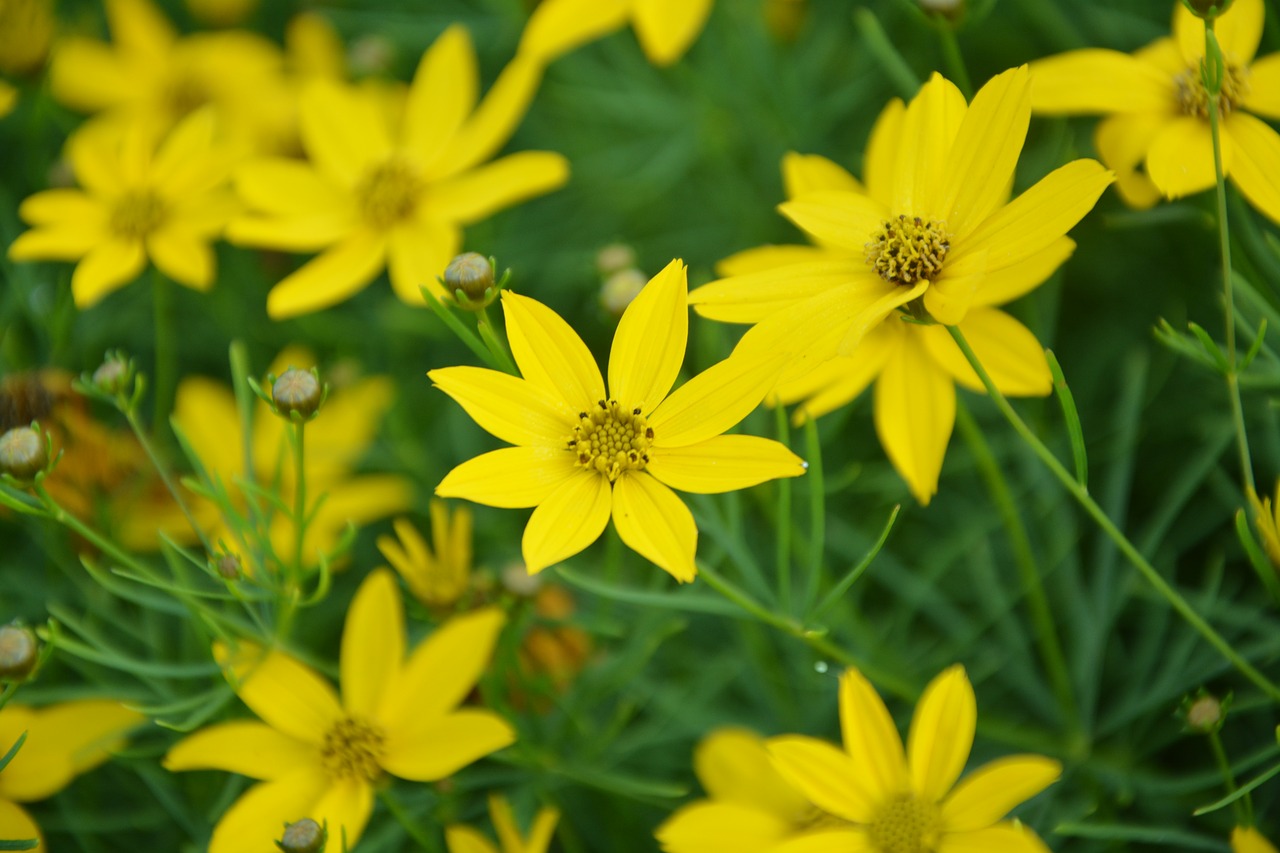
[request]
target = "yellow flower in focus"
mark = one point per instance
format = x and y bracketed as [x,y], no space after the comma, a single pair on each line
[63,741]
[436,579]
[1267,520]
[146,195]
[322,757]
[932,235]
[375,195]
[890,800]
[26,30]
[583,454]
[749,806]
[1157,135]
[665,28]
[1249,840]
[464,839]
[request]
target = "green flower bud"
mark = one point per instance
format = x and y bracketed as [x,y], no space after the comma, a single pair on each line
[297,391]
[23,453]
[228,566]
[305,836]
[1205,714]
[113,375]
[1207,9]
[19,652]
[472,275]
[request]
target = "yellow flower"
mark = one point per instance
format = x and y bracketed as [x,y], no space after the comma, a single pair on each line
[63,741]
[665,28]
[464,839]
[375,197]
[890,800]
[26,30]
[1248,839]
[583,454]
[437,579]
[1267,520]
[321,757]
[1159,109]
[932,235]
[749,806]
[145,195]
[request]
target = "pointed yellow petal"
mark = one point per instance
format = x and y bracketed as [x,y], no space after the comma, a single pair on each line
[842,379]
[140,27]
[95,159]
[442,95]
[343,131]
[249,748]
[464,839]
[648,346]
[806,173]
[504,823]
[373,643]
[826,775]
[1180,160]
[61,243]
[756,296]
[440,746]
[417,256]
[1009,352]
[550,354]
[187,162]
[544,828]
[1249,840]
[1005,837]
[299,233]
[870,736]
[1264,87]
[715,400]
[1239,31]
[764,258]
[63,207]
[570,519]
[710,825]
[108,267]
[1122,142]
[656,524]
[734,767]
[880,162]
[929,128]
[286,187]
[330,278]
[17,825]
[990,792]
[915,409]
[948,299]
[314,47]
[851,840]
[283,692]
[88,75]
[493,122]
[516,411]
[512,477]
[481,192]
[1100,81]
[345,808]
[559,26]
[666,28]
[63,740]
[724,463]
[842,219]
[255,821]
[183,256]
[941,734]
[1253,169]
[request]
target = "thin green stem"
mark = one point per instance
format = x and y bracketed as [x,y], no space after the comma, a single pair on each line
[299,493]
[492,340]
[783,526]
[1243,807]
[952,56]
[162,469]
[1153,577]
[166,375]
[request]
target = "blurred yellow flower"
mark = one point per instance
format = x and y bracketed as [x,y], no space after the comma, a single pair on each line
[63,741]
[146,195]
[1267,520]
[583,454]
[749,806]
[888,800]
[464,839]
[322,757]
[931,237]
[665,28]
[1249,840]
[436,579]
[26,31]
[375,195]
[1157,136]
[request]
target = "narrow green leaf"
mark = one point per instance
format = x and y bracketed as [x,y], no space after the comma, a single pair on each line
[838,591]
[1072,415]
[13,750]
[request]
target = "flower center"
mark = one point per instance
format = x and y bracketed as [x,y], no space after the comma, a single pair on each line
[389,193]
[136,214]
[351,750]
[611,439]
[185,94]
[1193,97]
[908,249]
[905,825]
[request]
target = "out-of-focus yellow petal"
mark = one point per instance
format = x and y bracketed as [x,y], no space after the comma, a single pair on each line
[851,840]
[825,775]
[298,233]
[990,792]
[1253,169]
[756,296]
[870,736]
[724,463]
[806,173]
[343,131]
[88,75]
[333,276]
[666,28]
[140,27]
[255,821]
[63,207]
[1264,87]
[570,519]
[715,400]
[1005,837]
[287,188]
[941,734]
[734,767]
[1010,353]
[1249,840]
[63,741]
[1007,284]
[915,410]
[1180,160]
[512,477]
[464,839]
[880,161]
[544,828]
[763,258]
[654,522]
[249,748]
[440,746]
[510,408]
[1239,31]
[707,825]
[373,643]
[559,26]
[1122,142]
[485,190]
[315,49]
[834,218]
[60,243]
[344,808]
[493,122]
[442,95]
[928,129]
[839,381]
[549,352]
[418,254]
[1100,81]
[183,256]
[282,691]
[17,825]
[649,344]
[108,266]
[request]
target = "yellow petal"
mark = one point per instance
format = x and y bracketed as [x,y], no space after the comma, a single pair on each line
[373,643]
[286,187]
[544,827]
[1264,87]
[1249,840]
[756,296]
[300,233]
[344,808]
[649,344]
[806,173]
[837,218]
[183,256]
[61,243]
[481,192]
[880,162]
[1253,169]
[95,158]
[1010,353]
[246,747]
[441,671]
[63,740]
[139,27]
[570,519]
[343,131]
[516,411]
[1239,31]
[666,28]
[63,207]
[734,767]
[108,267]
[724,463]
[840,380]
[1122,142]
[990,792]
[1100,81]
[929,128]
[707,825]
[550,354]
[493,122]
[338,273]
[283,692]
[559,26]
[205,411]
[948,299]
[941,734]
[504,823]
[1180,160]
[314,48]
[440,746]
[915,409]
[256,820]
[870,736]
[1005,837]
[417,256]
[17,825]
[442,95]
[187,162]
[512,477]
[1005,285]
[87,75]
[655,523]
[826,775]
[464,839]
[715,400]
[764,258]
[980,164]
[851,840]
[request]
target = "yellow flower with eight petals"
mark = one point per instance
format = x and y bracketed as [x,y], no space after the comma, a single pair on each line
[665,28]
[583,454]
[891,800]
[930,237]
[436,579]
[321,757]
[1157,135]
[464,839]
[1249,840]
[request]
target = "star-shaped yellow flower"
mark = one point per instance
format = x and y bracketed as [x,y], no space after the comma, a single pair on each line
[439,577]
[888,800]
[377,193]
[464,839]
[583,453]
[665,28]
[321,757]
[1157,136]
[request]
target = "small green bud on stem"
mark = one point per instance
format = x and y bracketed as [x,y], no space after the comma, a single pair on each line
[23,453]
[469,279]
[297,391]
[304,836]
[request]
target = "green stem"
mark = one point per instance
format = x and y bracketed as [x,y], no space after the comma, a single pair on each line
[878,43]
[952,56]
[166,374]
[1243,807]
[1153,577]
[158,464]
[493,341]
[299,494]
[783,525]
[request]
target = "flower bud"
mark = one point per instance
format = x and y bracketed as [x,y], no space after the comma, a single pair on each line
[620,289]
[1205,713]
[304,836]
[19,652]
[472,274]
[228,566]
[23,453]
[950,9]
[112,376]
[1207,9]
[297,391]
[615,257]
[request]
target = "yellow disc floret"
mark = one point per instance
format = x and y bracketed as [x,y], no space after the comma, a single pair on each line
[1193,96]
[352,749]
[905,824]
[136,214]
[389,193]
[908,249]
[612,439]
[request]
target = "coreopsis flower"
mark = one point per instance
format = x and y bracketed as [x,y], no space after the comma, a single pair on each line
[749,808]
[887,800]
[436,578]
[583,453]
[1157,136]
[321,756]
[930,238]
[63,741]
[145,195]
[1246,839]
[464,839]
[1267,520]
[665,29]
[378,195]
